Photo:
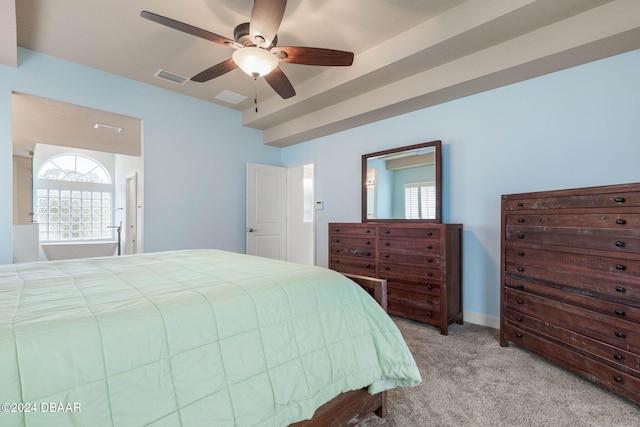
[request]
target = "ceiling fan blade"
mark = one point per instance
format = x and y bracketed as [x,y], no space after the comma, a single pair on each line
[280,83]
[313,56]
[215,71]
[186,28]
[266,17]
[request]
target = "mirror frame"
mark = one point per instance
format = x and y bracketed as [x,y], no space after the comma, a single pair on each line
[438,158]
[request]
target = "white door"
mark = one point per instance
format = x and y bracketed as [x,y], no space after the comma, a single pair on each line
[131,216]
[300,220]
[266,211]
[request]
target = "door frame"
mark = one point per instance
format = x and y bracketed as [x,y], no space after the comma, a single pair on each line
[312,235]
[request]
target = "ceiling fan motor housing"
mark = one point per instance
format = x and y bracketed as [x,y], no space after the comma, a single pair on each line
[241,35]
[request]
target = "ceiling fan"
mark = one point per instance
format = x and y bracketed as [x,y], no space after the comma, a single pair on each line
[256,51]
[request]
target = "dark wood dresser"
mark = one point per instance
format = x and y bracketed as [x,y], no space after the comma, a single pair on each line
[421,263]
[570,285]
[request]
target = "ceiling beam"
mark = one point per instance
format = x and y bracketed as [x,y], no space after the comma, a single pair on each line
[8,33]
[582,32]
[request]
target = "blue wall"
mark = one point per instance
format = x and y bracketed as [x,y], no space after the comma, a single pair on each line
[192,151]
[575,128]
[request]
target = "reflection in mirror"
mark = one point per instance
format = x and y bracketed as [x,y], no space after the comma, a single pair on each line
[402,184]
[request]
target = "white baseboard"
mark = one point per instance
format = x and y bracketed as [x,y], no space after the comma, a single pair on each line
[481,319]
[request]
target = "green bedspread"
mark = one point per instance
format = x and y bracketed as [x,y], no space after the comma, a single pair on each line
[187,338]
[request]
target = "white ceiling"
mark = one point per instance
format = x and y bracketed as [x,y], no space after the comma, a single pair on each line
[409,54]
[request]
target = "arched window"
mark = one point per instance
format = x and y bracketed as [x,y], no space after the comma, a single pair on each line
[74,195]
[74,167]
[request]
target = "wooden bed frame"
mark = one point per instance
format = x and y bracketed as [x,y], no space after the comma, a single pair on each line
[349,408]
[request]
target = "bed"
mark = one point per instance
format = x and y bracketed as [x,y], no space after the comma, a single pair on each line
[190,338]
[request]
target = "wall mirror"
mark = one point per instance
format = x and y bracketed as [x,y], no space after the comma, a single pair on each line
[403,184]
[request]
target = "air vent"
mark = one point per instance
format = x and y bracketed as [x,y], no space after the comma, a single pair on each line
[108,127]
[171,77]
[230,97]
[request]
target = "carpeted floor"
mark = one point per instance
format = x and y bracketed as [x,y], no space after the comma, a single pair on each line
[469,380]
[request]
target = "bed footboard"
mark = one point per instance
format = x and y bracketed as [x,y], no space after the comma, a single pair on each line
[376,287]
[347,409]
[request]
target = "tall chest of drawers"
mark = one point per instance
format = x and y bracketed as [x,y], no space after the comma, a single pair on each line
[421,263]
[570,285]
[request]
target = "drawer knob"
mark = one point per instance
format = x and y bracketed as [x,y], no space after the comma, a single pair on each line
[387,268]
[429,260]
[520,236]
[429,287]
[620,244]
[337,230]
[337,241]
[387,256]
[429,314]
[617,379]
[429,233]
[368,265]
[620,221]
[429,247]
[619,334]
[520,302]
[368,243]
[520,286]
[519,319]
[618,357]
[620,312]
[619,289]
[520,204]
[368,253]
[518,334]
[619,199]
[520,253]
[620,267]
[430,301]
[520,219]
[368,231]
[430,274]
[520,269]
[387,231]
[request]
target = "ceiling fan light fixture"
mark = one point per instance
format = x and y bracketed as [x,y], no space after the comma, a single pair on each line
[255,61]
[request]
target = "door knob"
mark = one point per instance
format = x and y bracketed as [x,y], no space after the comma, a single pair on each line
[251,230]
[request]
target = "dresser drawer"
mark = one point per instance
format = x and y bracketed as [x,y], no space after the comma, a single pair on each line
[592,275]
[589,238]
[617,309]
[352,229]
[615,219]
[617,332]
[353,246]
[418,246]
[388,271]
[578,201]
[416,286]
[362,266]
[605,351]
[412,232]
[413,306]
[605,375]
[431,260]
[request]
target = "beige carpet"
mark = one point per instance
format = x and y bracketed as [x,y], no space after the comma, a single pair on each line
[469,380]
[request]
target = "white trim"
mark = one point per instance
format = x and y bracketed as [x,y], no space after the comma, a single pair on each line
[482,319]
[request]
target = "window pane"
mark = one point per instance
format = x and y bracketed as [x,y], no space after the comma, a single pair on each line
[69,215]
[74,167]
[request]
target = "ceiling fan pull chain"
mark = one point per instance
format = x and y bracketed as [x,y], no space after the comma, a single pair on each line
[255,87]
